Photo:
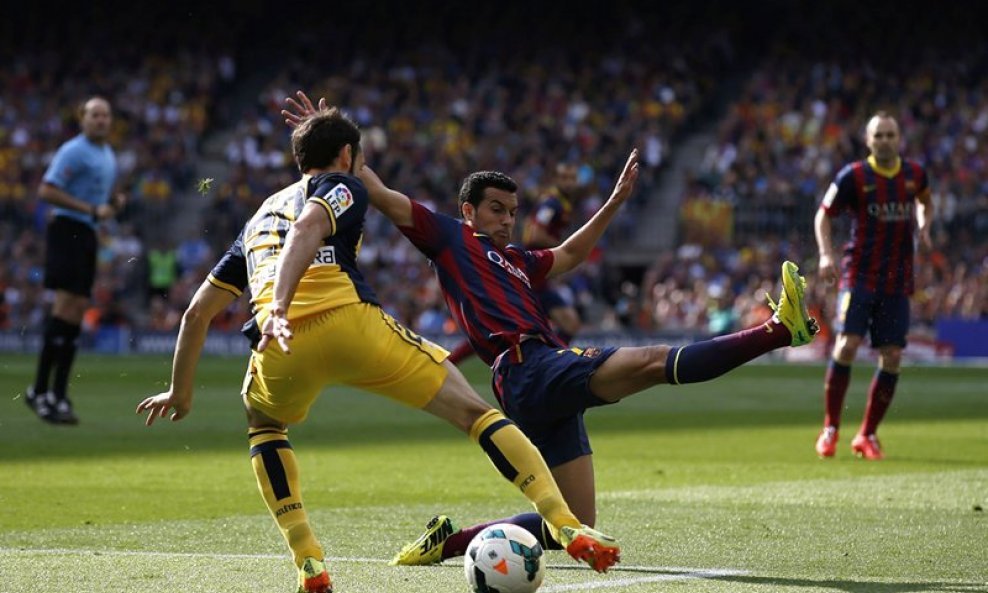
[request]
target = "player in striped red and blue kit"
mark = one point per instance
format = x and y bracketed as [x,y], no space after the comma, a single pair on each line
[545,228]
[885,196]
[540,383]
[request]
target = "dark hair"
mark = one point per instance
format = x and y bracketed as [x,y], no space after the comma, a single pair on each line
[474,185]
[317,141]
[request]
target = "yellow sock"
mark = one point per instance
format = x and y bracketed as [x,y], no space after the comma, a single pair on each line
[276,470]
[520,462]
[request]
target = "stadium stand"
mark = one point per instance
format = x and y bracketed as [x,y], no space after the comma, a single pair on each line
[515,91]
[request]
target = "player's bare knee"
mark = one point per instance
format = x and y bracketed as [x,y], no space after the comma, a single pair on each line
[457,402]
[653,362]
[457,386]
[890,359]
[846,348]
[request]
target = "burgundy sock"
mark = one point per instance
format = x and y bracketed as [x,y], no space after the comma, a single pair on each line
[708,359]
[834,389]
[462,351]
[456,544]
[880,396]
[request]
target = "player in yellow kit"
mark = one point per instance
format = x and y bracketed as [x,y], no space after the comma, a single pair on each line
[298,255]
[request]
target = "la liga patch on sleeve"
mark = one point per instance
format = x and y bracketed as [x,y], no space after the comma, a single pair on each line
[339,199]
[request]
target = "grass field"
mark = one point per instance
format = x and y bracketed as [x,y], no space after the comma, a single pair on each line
[710,488]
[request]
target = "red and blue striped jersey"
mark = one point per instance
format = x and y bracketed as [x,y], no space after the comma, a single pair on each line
[879,255]
[553,213]
[488,290]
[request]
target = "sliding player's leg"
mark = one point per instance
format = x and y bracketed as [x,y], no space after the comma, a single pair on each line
[634,369]
[414,371]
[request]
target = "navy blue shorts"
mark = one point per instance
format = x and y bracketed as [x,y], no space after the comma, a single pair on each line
[551,299]
[885,316]
[546,394]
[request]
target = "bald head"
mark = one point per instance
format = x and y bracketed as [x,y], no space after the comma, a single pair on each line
[95,119]
[882,138]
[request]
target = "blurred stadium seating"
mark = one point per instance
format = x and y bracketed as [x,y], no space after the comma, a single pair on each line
[781,93]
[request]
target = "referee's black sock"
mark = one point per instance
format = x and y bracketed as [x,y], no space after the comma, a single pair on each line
[50,345]
[64,357]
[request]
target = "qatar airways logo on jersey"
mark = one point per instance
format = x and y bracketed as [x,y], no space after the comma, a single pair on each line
[892,211]
[497,258]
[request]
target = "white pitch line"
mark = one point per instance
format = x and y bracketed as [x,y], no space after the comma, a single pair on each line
[612,584]
[672,573]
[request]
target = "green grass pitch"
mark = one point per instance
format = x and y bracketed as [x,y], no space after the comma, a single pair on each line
[710,488]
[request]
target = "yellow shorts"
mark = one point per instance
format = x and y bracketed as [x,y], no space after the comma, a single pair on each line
[357,345]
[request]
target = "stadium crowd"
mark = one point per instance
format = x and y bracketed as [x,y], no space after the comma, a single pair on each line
[431,114]
[798,121]
[161,110]
[429,119]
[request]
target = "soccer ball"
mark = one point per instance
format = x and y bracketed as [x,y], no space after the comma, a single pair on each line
[504,558]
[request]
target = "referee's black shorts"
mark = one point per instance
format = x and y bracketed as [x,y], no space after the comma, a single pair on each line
[70,260]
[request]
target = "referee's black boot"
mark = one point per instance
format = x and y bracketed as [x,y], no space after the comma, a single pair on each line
[40,404]
[62,412]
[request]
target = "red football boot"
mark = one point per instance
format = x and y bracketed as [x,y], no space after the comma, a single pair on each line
[867,447]
[826,443]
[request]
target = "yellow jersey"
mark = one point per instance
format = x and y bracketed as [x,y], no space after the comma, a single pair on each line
[332,279]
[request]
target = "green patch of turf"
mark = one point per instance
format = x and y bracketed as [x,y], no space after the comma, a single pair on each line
[718,477]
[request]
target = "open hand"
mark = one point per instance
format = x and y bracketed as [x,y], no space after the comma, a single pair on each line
[158,406]
[277,328]
[626,183]
[301,109]
[827,269]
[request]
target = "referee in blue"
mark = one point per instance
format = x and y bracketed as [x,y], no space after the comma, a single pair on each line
[79,184]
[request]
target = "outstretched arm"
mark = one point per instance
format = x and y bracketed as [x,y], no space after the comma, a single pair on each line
[393,204]
[301,244]
[207,303]
[578,246]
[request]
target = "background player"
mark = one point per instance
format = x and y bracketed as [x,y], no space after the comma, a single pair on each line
[877,274]
[545,228]
[298,255]
[78,183]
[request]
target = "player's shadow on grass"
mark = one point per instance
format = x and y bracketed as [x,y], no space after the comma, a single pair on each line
[857,586]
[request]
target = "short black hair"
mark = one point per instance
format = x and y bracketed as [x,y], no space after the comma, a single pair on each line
[474,185]
[317,141]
